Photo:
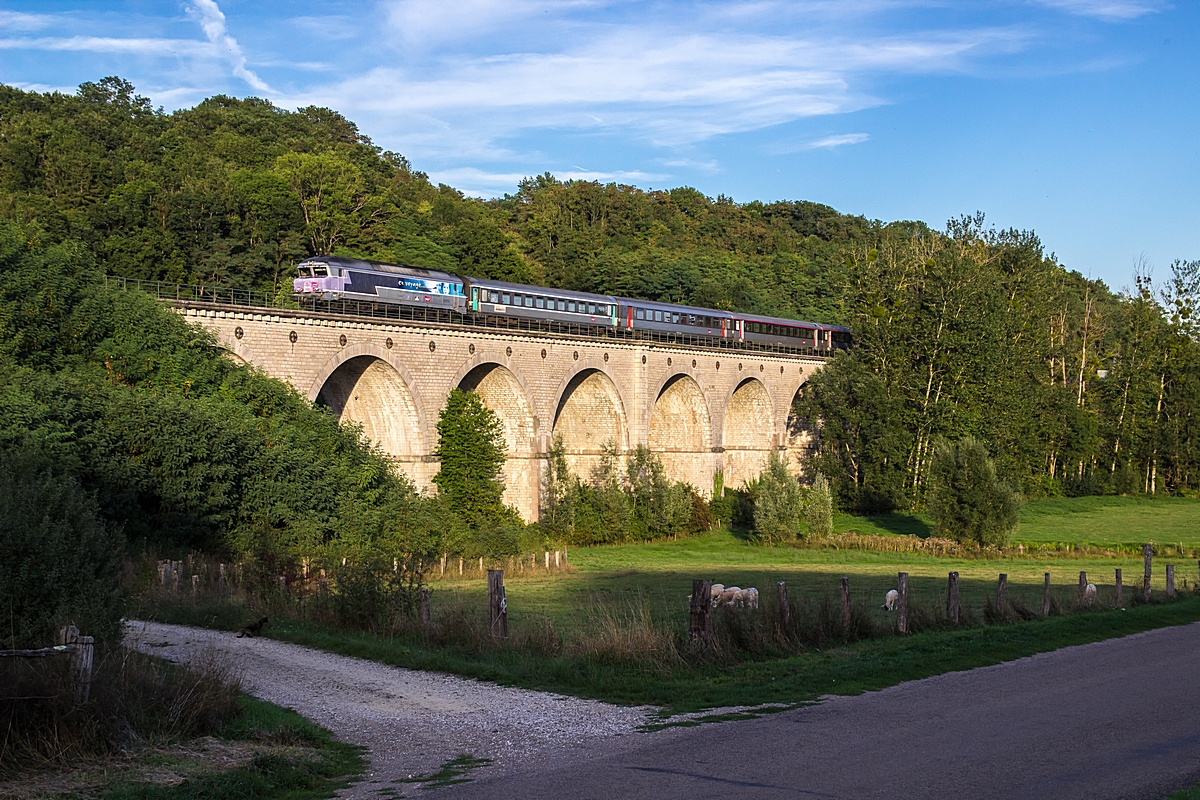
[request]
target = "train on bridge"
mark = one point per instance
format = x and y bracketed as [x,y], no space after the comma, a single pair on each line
[337,277]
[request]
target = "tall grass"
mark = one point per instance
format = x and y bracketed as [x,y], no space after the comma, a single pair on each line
[135,700]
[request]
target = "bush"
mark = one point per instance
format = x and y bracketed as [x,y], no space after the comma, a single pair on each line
[779,507]
[966,499]
[471,449]
[58,562]
[818,507]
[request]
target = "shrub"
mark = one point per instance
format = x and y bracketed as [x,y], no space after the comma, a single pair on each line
[58,562]
[818,507]
[779,507]
[966,499]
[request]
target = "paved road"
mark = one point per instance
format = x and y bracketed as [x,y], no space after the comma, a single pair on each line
[1115,719]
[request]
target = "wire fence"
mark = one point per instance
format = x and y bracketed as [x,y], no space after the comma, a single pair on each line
[445,318]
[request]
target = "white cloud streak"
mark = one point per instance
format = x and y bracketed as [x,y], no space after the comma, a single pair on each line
[1111,10]
[830,142]
[212,22]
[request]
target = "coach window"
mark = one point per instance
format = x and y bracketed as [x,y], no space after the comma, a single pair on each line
[639,313]
[540,303]
[504,299]
[571,306]
[658,316]
[528,301]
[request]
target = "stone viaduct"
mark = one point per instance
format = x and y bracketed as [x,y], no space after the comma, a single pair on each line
[700,409]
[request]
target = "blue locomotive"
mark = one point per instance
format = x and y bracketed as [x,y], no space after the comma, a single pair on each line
[337,277]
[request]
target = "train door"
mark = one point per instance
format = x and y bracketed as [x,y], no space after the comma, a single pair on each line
[475,298]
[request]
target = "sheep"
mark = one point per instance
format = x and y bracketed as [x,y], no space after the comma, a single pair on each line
[728,597]
[1089,593]
[893,597]
[752,598]
[717,590]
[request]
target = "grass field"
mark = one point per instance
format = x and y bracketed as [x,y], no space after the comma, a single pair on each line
[1084,521]
[653,580]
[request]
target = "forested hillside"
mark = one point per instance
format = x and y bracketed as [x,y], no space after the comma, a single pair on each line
[962,331]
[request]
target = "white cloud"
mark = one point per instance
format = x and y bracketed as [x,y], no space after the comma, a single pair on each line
[20,21]
[103,44]
[830,142]
[1106,9]
[212,22]
[667,87]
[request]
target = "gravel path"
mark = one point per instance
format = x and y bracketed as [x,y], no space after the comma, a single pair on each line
[411,722]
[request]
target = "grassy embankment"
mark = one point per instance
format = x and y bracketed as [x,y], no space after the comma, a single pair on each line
[626,589]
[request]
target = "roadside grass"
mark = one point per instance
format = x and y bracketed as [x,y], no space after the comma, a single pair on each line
[698,684]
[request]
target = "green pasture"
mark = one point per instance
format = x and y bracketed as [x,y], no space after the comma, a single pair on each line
[1083,521]
[660,574]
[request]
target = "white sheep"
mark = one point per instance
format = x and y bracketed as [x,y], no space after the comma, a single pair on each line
[717,590]
[729,596]
[1089,593]
[893,597]
[752,598]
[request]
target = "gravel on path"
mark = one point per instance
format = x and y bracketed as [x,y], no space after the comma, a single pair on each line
[411,722]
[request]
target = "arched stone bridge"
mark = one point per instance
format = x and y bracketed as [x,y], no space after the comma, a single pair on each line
[701,410]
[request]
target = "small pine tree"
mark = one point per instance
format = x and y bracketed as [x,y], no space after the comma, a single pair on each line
[966,499]
[471,449]
[818,507]
[779,506]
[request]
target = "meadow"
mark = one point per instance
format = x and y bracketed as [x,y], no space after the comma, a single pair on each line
[609,624]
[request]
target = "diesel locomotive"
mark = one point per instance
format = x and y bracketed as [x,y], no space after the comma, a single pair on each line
[337,277]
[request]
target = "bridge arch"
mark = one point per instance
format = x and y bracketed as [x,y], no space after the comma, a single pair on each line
[504,390]
[590,414]
[680,431]
[748,432]
[363,385]
[799,435]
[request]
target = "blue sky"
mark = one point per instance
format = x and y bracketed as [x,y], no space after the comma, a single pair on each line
[1078,119]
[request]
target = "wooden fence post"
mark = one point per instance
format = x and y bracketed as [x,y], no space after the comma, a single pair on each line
[497,605]
[1082,588]
[547,559]
[1170,580]
[1120,589]
[221,580]
[481,565]
[460,566]
[81,660]
[195,586]
[952,598]
[564,557]
[1147,558]
[442,565]
[902,603]
[700,614]
[425,616]
[846,605]
[785,608]
[1002,595]
[556,562]
[1046,596]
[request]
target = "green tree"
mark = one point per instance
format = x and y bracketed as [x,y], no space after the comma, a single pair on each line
[779,505]
[59,562]
[559,494]
[472,451]
[966,499]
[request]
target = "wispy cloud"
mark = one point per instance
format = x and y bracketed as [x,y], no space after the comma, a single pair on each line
[105,44]
[1107,9]
[212,22]
[21,21]
[830,142]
